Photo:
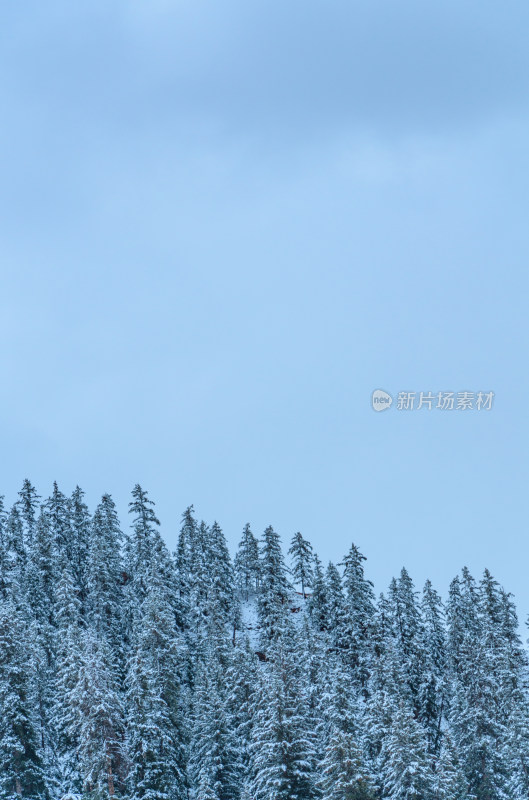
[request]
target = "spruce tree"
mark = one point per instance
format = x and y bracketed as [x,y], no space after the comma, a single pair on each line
[14,552]
[104,578]
[42,574]
[144,539]
[477,721]
[302,562]
[186,550]
[283,742]
[339,631]
[3,555]
[21,769]
[241,680]
[448,781]
[156,742]
[67,660]
[221,574]
[433,690]
[405,770]
[247,563]
[216,760]
[275,590]
[58,512]
[360,609]
[344,771]
[80,523]
[318,604]
[409,632]
[99,724]
[514,679]
[28,504]
[41,591]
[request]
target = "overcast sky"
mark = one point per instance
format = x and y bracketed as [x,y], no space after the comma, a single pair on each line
[222,225]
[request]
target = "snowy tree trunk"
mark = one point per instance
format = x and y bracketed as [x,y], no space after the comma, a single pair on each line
[110,775]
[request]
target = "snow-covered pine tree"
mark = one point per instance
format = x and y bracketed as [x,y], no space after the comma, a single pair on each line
[28,504]
[318,605]
[404,766]
[100,724]
[104,579]
[448,781]
[3,584]
[383,643]
[42,574]
[240,681]
[247,563]
[168,579]
[433,690]
[516,750]
[317,665]
[41,583]
[198,570]
[275,590]
[283,747]
[194,591]
[14,553]
[360,610]
[386,691]
[80,523]
[477,722]
[156,739]
[145,536]
[409,632]
[221,574]
[186,551]
[21,768]
[514,679]
[64,720]
[57,509]
[479,738]
[339,636]
[216,760]
[344,772]
[302,562]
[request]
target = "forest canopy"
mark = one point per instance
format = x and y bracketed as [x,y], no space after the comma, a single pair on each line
[131,672]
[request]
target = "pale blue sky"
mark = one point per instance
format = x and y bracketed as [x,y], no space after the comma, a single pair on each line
[222,225]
